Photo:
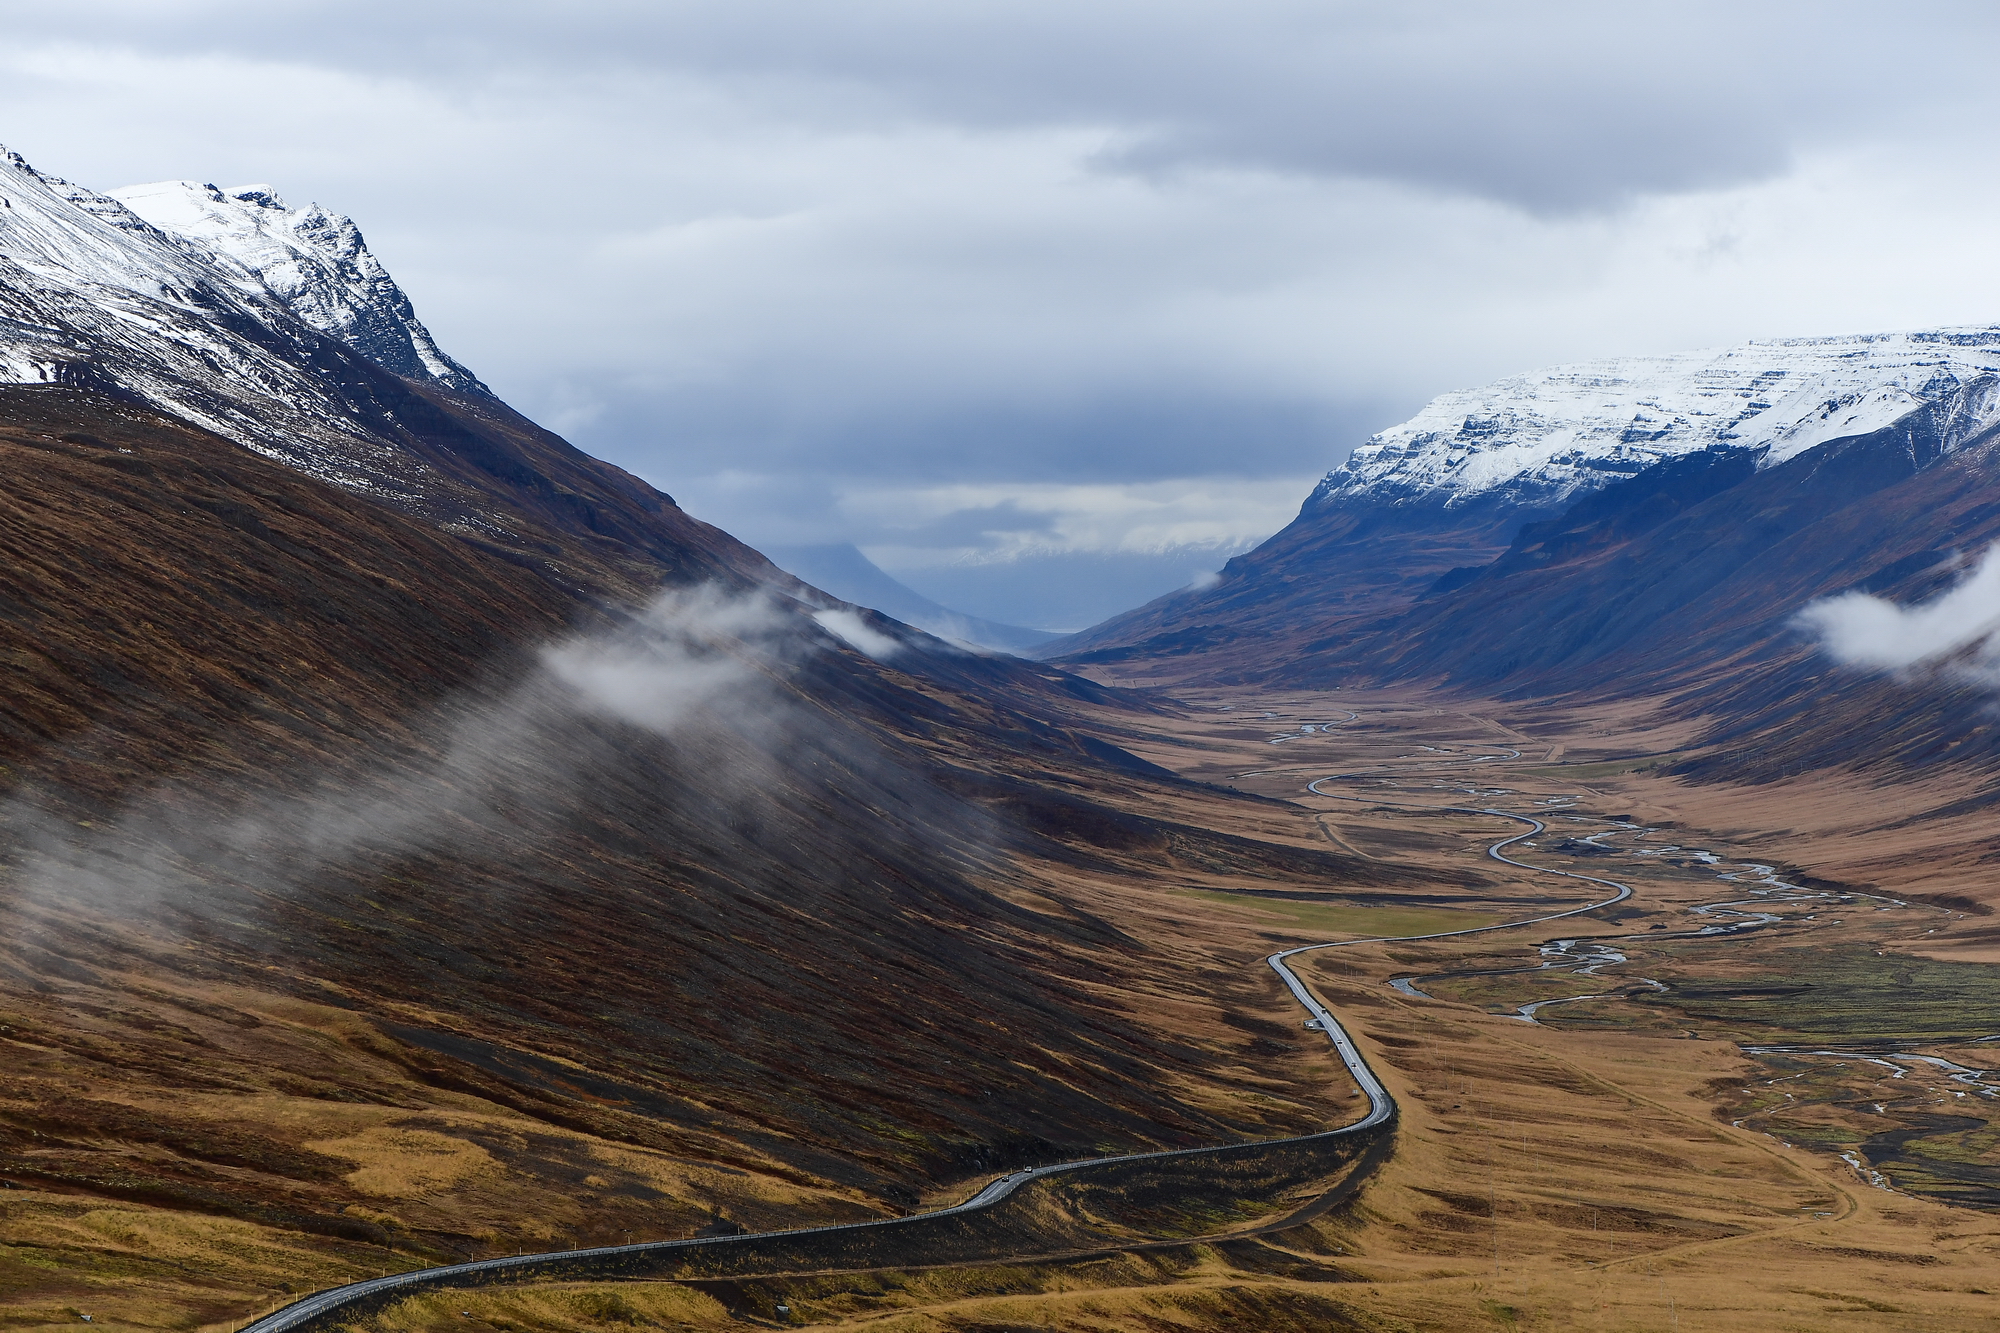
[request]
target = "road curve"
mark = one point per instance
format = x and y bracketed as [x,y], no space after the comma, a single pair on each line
[1381,1104]
[371,1293]
[1534,826]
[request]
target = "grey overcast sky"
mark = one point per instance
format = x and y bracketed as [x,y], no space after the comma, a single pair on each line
[1049,304]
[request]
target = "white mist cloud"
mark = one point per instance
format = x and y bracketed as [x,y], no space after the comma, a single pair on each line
[1866,631]
[690,651]
[852,630]
[504,766]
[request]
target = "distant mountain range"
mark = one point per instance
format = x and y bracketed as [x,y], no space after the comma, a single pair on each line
[841,569]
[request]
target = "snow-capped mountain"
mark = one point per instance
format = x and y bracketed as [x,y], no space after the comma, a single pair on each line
[276,329]
[314,261]
[1540,440]
[93,294]
[1424,508]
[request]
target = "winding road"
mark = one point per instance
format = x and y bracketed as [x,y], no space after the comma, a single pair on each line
[337,1303]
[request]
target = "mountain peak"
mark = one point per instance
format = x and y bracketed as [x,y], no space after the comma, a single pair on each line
[312,259]
[245,319]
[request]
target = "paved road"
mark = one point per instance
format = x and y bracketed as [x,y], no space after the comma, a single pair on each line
[1534,826]
[1381,1105]
[1381,1108]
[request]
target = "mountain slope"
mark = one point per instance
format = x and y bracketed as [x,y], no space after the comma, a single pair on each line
[1684,583]
[1451,488]
[382,772]
[1679,589]
[300,743]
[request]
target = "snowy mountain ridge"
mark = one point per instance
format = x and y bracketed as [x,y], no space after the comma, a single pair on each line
[1543,439]
[93,294]
[314,261]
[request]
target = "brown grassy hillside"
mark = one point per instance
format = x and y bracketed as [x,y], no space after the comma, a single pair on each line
[329,914]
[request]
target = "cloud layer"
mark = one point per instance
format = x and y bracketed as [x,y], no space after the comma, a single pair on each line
[781,258]
[1952,632]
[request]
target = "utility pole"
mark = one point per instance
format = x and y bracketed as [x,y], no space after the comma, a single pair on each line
[1493,1209]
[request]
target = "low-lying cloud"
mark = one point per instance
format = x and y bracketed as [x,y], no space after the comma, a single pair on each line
[688,652]
[698,667]
[852,630]
[1953,631]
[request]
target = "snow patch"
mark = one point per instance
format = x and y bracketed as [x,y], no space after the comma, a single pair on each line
[239,333]
[1546,438]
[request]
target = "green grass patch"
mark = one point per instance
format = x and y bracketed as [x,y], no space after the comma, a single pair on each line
[1844,994]
[1833,994]
[1609,768]
[1342,918]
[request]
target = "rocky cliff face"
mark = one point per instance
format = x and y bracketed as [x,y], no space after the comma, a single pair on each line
[91,294]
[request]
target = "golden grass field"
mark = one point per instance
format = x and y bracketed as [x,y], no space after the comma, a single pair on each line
[1622,1164]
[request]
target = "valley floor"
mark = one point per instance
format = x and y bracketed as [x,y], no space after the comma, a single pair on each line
[1756,1094]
